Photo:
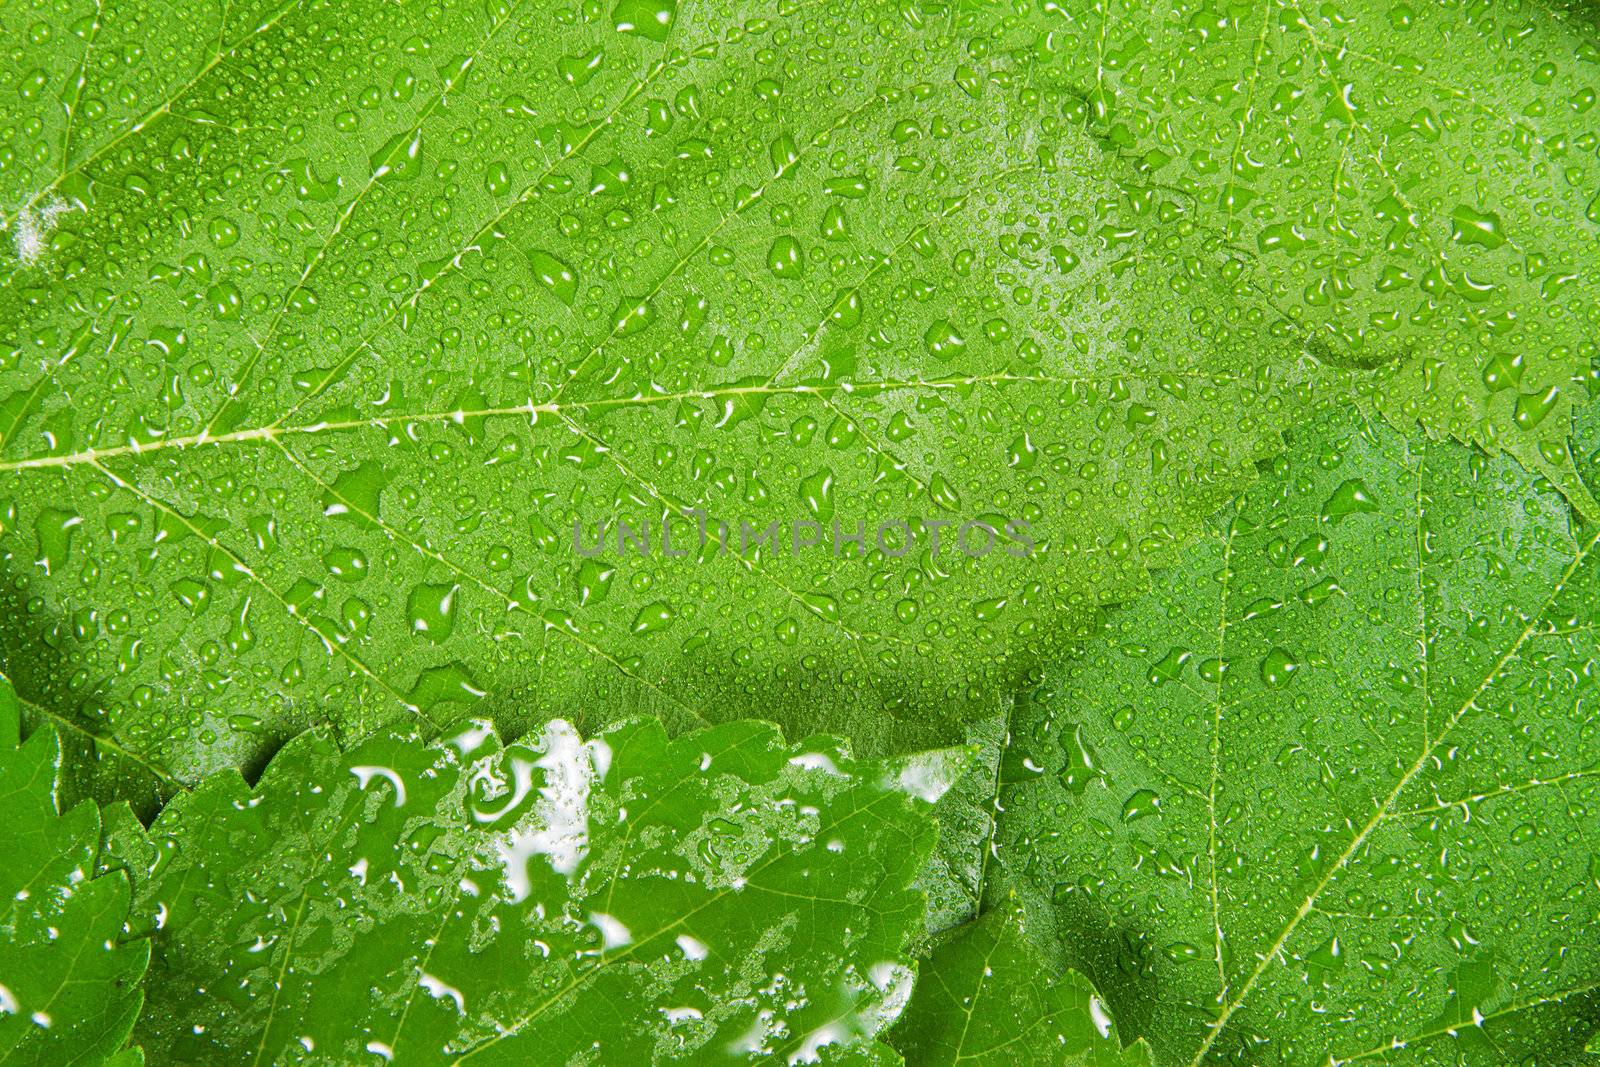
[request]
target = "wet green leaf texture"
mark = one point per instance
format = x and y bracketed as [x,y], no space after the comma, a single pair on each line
[957,872]
[69,986]
[1340,770]
[719,897]
[1418,180]
[433,286]
[988,998]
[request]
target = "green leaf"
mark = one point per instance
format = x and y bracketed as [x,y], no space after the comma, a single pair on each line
[987,998]
[719,895]
[1417,181]
[360,308]
[957,871]
[1326,794]
[69,985]
[1586,441]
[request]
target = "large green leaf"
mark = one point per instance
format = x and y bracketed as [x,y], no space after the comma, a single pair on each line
[69,985]
[362,306]
[718,897]
[987,998]
[1417,180]
[1327,793]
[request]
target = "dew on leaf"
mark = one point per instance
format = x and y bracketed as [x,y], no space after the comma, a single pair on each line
[431,611]
[1351,498]
[1141,805]
[654,618]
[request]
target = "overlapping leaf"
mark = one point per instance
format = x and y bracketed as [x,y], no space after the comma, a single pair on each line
[957,872]
[1417,180]
[1327,793]
[69,985]
[719,897]
[355,321]
[333,332]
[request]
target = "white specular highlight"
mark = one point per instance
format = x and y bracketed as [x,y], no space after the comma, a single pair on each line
[559,826]
[31,226]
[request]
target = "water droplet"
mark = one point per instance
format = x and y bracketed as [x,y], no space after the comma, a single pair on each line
[1319,592]
[1349,499]
[943,339]
[816,492]
[1532,408]
[223,232]
[822,604]
[577,70]
[356,494]
[431,611]
[1140,805]
[785,259]
[632,316]
[54,529]
[942,493]
[1082,766]
[1278,668]
[834,225]
[1169,668]
[651,19]
[554,275]
[594,582]
[1323,962]
[449,684]
[400,157]
[653,618]
[1470,226]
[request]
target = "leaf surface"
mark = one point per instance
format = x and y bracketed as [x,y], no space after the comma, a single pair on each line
[958,869]
[364,328]
[1338,771]
[986,997]
[1417,182]
[719,897]
[69,985]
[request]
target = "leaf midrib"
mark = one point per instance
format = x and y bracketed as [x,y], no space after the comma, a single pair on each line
[533,410]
